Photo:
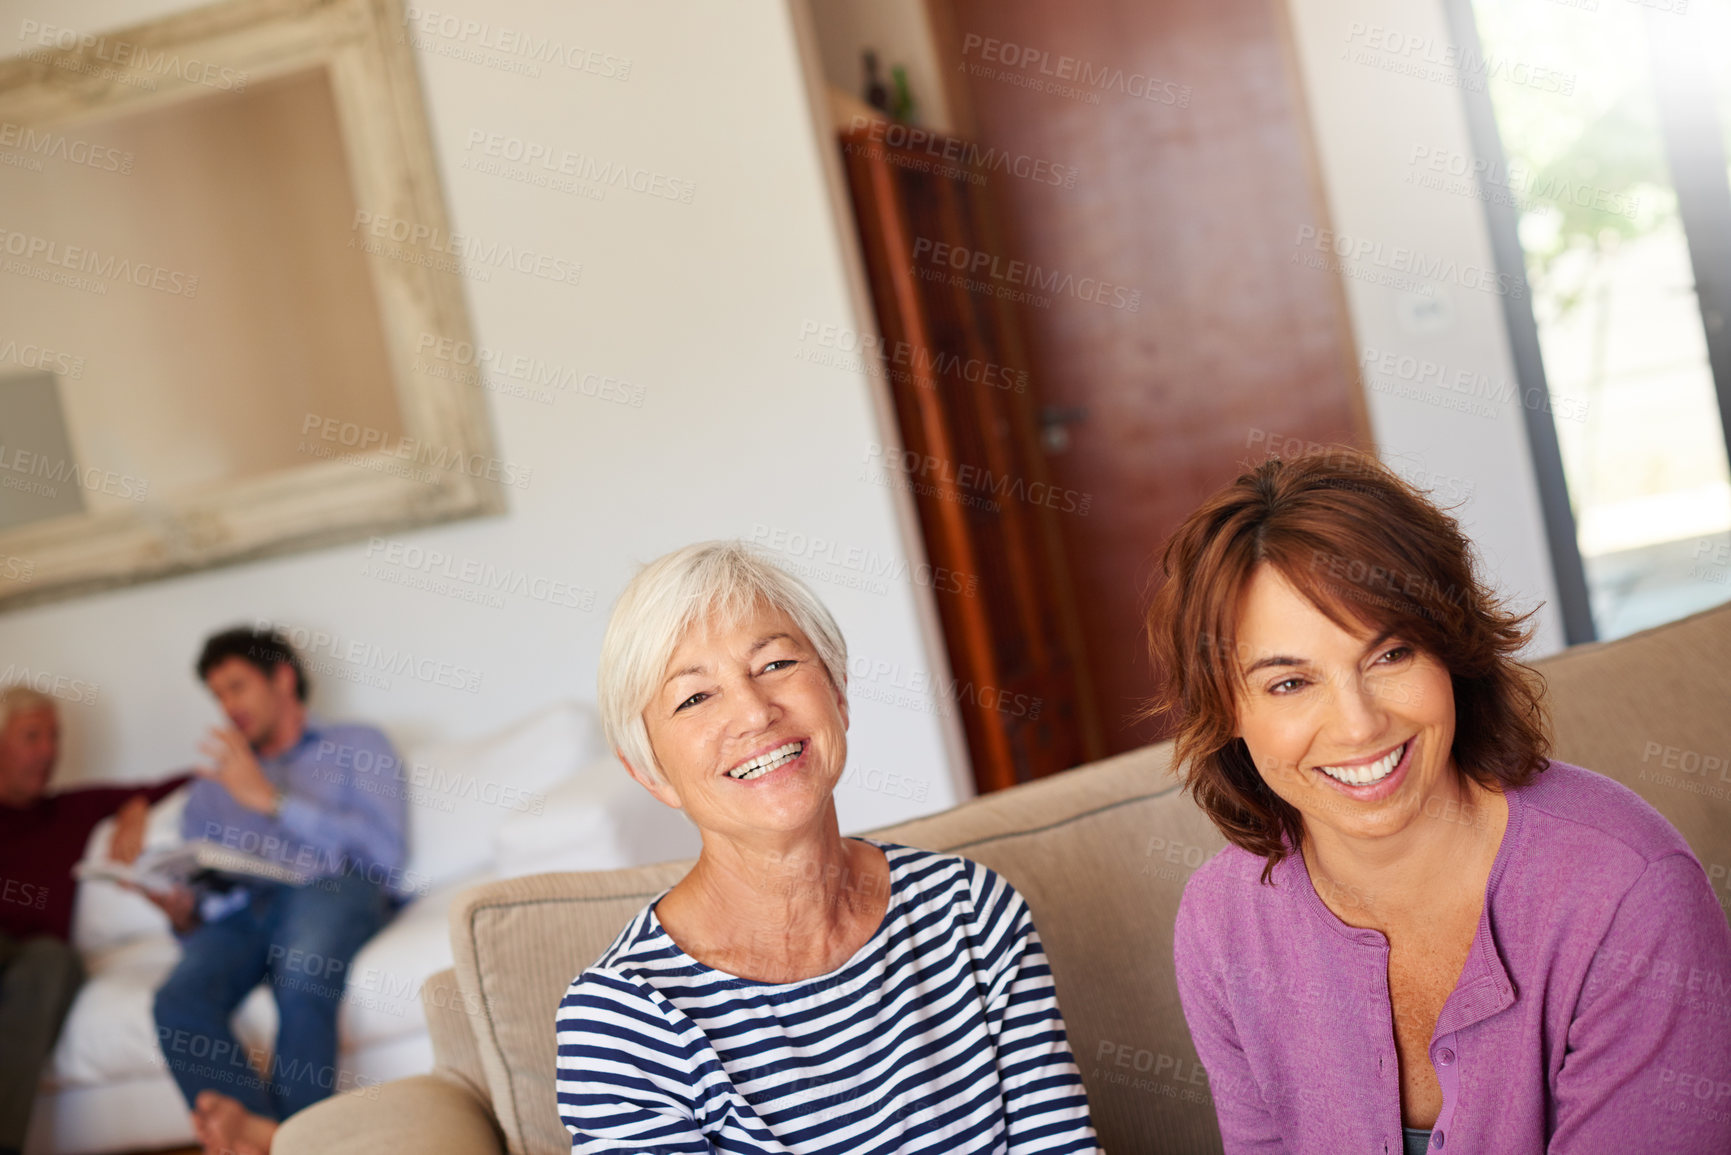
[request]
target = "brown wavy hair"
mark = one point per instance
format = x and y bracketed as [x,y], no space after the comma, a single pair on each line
[1371,552]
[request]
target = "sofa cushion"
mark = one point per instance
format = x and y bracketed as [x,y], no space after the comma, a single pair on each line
[453,1022]
[110,1033]
[1102,855]
[381,1000]
[426,1114]
[597,819]
[1653,710]
[516,945]
[461,792]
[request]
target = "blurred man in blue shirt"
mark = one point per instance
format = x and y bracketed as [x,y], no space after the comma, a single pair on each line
[329,803]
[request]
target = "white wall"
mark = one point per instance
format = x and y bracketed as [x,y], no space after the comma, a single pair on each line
[1378,129]
[700,306]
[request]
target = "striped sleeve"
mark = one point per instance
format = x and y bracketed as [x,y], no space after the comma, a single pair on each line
[1046,1107]
[626,1079]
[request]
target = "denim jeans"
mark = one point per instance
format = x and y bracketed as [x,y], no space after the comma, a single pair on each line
[299,938]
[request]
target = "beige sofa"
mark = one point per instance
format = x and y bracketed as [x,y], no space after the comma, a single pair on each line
[1101,853]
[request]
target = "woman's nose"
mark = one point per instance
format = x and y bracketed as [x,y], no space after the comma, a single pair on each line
[753,707]
[1360,712]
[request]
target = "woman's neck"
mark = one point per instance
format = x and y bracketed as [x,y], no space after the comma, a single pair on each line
[778,908]
[1447,849]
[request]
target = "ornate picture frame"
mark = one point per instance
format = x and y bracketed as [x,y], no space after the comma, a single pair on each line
[440,465]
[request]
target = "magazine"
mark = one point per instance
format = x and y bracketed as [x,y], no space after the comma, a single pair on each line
[172,866]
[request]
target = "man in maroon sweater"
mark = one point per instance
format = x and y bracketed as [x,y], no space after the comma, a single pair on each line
[41,836]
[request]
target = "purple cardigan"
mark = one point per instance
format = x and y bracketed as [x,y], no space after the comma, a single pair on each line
[1593,1013]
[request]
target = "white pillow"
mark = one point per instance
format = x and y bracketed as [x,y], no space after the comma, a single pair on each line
[460,793]
[598,819]
[106,914]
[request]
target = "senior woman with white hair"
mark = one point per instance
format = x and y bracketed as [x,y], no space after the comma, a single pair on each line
[797,991]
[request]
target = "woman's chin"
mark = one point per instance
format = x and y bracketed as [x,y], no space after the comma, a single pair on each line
[783,807]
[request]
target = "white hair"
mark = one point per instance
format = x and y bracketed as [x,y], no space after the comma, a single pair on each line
[670,596]
[19,698]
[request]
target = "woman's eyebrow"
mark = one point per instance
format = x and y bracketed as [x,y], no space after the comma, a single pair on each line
[702,669]
[685,673]
[1377,641]
[1275,660]
[1285,660]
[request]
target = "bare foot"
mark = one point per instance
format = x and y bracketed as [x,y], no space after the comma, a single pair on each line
[227,1128]
[212,1118]
[256,1135]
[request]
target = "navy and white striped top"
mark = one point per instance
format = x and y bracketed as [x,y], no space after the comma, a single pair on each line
[940,1035]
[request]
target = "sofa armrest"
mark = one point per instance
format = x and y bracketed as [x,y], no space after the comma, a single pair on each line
[451,1022]
[426,1114]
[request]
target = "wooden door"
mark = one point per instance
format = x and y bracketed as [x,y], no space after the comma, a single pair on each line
[1194,187]
[969,457]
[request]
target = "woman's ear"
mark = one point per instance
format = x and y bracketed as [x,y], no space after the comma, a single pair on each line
[658,787]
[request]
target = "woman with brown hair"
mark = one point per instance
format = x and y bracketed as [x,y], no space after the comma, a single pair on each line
[1424,931]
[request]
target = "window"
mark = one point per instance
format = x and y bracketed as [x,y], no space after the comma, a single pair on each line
[1616,174]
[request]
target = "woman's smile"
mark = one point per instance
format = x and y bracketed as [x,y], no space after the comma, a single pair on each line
[767,762]
[1369,779]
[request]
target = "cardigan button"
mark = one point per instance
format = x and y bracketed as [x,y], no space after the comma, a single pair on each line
[1444,1057]
[1436,1139]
